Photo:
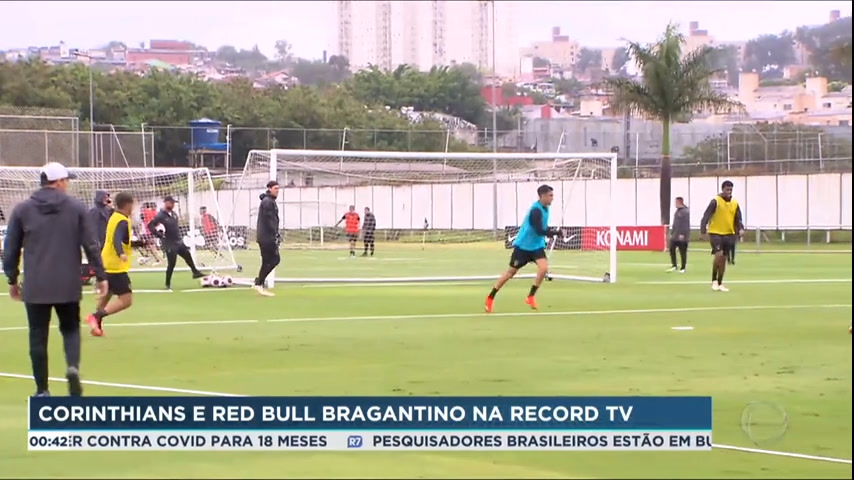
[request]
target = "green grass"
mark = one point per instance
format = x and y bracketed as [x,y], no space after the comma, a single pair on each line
[779,342]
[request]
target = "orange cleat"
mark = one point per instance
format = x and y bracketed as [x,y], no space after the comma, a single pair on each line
[532,302]
[488,304]
[94,326]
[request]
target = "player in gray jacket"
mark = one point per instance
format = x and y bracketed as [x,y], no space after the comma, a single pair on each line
[680,231]
[49,229]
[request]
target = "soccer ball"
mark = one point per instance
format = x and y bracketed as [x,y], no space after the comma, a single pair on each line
[227,281]
[216,281]
[160,228]
[143,260]
[206,281]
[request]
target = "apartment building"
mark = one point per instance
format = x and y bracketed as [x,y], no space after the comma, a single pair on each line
[560,50]
[428,33]
[696,39]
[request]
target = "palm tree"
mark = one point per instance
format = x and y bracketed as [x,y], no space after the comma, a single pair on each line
[671,87]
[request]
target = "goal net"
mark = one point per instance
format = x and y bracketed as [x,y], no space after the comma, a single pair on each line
[439,216]
[197,207]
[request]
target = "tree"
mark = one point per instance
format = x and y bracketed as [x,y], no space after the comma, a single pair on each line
[769,54]
[250,60]
[540,62]
[320,74]
[826,45]
[283,52]
[621,59]
[570,87]
[588,58]
[669,87]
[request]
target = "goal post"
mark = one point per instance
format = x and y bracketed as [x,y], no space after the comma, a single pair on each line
[444,216]
[206,237]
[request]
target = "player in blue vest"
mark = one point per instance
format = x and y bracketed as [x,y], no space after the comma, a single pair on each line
[529,246]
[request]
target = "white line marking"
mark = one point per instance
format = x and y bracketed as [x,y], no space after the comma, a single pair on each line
[443,316]
[682,329]
[391,284]
[218,394]
[757,282]
[129,386]
[784,454]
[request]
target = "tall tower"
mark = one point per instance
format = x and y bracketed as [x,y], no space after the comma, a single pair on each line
[438,11]
[384,42]
[345,28]
[481,31]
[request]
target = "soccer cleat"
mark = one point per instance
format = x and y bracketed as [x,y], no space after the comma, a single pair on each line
[44,393]
[715,286]
[365,254]
[75,387]
[682,271]
[671,269]
[722,288]
[95,326]
[198,275]
[264,292]
[531,301]
[487,305]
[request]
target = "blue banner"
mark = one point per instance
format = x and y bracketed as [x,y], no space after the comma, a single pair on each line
[371,413]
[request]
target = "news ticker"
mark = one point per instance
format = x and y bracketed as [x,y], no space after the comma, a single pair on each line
[396,440]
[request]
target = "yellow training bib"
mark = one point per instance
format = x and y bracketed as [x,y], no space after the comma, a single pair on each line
[723,220]
[112,262]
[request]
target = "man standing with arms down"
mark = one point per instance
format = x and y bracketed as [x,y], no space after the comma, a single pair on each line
[368,229]
[51,228]
[100,214]
[165,226]
[268,238]
[723,222]
[680,230]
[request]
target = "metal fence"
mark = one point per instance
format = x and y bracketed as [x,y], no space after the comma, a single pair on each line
[697,148]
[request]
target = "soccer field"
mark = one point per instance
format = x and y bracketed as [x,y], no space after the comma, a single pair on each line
[779,336]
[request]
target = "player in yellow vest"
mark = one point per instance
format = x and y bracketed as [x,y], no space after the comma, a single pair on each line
[723,222]
[116,257]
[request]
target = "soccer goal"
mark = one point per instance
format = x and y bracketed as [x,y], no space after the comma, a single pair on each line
[439,216]
[192,188]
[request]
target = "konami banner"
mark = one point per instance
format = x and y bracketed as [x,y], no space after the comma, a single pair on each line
[648,238]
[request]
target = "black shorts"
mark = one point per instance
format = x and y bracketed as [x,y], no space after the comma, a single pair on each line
[352,236]
[519,258]
[119,283]
[722,243]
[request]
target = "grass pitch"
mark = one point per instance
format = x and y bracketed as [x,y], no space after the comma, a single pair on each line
[778,336]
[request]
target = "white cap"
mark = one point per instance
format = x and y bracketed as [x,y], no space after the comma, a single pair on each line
[53,172]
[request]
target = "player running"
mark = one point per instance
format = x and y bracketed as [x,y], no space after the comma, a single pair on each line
[351,228]
[116,255]
[530,246]
[368,229]
[722,220]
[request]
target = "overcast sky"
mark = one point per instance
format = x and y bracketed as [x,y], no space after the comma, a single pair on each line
[310,25]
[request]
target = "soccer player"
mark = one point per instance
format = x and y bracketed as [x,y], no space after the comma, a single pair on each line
[723,222]
[680,230]
[268,238]
[170,237]
[210,228]
[351,228]
[50,228]
[529,246]
[116,255]
[368,229]
[149,245]
[100,214]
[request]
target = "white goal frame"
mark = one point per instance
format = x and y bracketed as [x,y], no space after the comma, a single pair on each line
[190,207]
[611,158]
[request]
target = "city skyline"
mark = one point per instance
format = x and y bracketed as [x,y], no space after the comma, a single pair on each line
[310,27]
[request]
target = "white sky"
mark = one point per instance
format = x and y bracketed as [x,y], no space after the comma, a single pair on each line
[310,25]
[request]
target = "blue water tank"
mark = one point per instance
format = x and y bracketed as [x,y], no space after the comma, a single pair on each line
[204,132]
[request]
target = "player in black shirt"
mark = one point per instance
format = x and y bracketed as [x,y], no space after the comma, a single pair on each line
[166,227]
[369,227]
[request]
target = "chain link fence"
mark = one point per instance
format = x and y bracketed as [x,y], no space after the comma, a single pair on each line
[697,148]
